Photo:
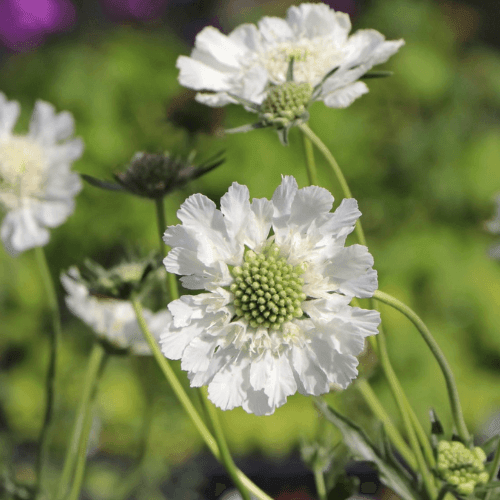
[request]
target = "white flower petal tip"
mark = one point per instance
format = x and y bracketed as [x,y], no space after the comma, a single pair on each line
[38,188]
[252,59]
[275,317]
[113,321]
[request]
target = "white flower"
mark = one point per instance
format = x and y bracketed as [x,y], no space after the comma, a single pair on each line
[112,320]
[250,59]
[37,186]
[276,318]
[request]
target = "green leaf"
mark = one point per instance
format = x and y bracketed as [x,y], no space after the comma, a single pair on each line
[376,74]
[110,186]
[356,440]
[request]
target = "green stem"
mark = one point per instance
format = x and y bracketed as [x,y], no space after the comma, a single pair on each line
[440,358]
[379,411]
[495,467]
[186,402]
[404,403]
[310,163]
[225,454]
[76,453]
[173,289]
[319,479]
[336,170]
[401,402]
[51,389]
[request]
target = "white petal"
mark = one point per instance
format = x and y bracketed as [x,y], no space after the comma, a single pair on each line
[67,152]
[221,358]
[235,206]
[340,368]
[257,402]
[361,46]
[315,20]
[174,340]
[9,113]
[275,29]
[61,183]
[310,378]
[247,35]
[185,310]
[385,50]
[344,97]
[253,86]
[259,231]
[308,204]
[198,354]
[280,381]
[325,309]
[350,272]
[260,369]
[342,221]
[20,231]
[53,213]
[158,322]
[198,76]
[47,127]
[282,200]
[215,100]
[227,389]
[221,47]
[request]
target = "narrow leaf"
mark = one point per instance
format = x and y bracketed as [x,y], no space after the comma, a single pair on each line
[110,186]
[376,74]
[358,443]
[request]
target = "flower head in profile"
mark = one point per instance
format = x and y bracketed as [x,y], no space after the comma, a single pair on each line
[112,319]
[154,176]
[37,187]
[275,318]
[282,65]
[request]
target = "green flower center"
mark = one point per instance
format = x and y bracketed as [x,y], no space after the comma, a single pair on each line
[285,103]
[267,291]
[461,467]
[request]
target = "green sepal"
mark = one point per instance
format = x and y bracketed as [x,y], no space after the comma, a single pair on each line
[356,440]
[283,135]
[246,128]
[376,74]
[317,88]
[110,186]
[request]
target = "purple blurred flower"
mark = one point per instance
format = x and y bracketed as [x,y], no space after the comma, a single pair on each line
[25,23]
[136,9]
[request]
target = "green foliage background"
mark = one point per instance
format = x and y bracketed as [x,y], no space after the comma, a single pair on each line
[421,153]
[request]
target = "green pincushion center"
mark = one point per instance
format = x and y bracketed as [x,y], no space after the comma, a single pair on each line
[267,291]
[286,102]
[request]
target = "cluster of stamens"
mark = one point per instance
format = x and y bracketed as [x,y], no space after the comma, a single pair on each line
[267,291]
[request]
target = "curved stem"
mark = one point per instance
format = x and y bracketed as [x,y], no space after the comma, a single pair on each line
[225,454]
[495,467]
[401,402]
[379,411]
[440,358]
[186,402]
[319,479]
[310,163]
[336,170]
[76,453]
[173,289]
[55,339]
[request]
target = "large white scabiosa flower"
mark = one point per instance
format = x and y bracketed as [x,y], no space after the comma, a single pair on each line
[252,60]
[37,187]
[276,318]
[113,320]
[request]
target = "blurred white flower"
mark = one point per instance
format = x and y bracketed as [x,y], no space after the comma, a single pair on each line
[113,320]
[494,227]
[276,318]
[37,186]
[250,60]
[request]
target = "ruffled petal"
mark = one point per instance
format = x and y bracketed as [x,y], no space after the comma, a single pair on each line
[344,97]
[235,206]
[350,273]
[309,203]
[53,213]
[9,113]
[248,36]
[47,127]
[309,376]
[315,20]
[197,75]
[275,30]
[282,200]
[20,231]
[259,231]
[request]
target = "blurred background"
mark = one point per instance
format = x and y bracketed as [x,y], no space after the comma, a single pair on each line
[421,153]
